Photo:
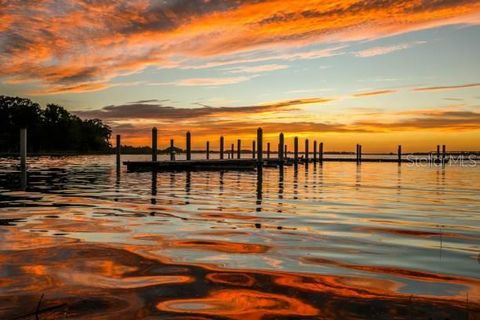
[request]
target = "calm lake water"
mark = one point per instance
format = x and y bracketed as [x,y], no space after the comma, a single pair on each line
[338,241]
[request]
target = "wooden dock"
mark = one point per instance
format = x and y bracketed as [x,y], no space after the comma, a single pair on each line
[192,165]
[233,164]
[259,157]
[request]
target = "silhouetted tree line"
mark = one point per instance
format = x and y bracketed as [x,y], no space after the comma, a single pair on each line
[52,129]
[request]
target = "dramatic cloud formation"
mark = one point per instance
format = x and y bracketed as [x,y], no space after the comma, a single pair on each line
[142,110]
[134,120]
[75,46]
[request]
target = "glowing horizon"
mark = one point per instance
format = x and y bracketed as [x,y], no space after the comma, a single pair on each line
[341,72]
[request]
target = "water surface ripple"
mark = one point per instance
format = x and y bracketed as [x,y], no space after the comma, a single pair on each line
[331,241]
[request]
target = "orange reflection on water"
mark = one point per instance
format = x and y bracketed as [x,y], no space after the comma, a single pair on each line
[471,285]
[220,246]
[241,304]
[237,279]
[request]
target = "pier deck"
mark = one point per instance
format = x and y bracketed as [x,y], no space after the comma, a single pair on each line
[233,164]
[185,165]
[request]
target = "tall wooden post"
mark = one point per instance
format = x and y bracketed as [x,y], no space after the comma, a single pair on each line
[259,146]
[239,149]
[357,153]
[222,141]
[281,144]
[360,153]
[118,162]
[314,151]
[172,150]
[253,150]
[208,150]
[268,150]
[320,156]
[444,153]
[189,146]
[307,145]
[154,144]
[232,151]
[295,150]
[23,148]
[399,154]
[438,152]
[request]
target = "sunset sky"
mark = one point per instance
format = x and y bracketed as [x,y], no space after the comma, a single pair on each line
[378,72]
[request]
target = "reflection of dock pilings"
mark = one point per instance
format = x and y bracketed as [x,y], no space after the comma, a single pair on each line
[259,189]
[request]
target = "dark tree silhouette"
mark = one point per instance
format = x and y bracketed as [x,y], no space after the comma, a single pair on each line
[53,129]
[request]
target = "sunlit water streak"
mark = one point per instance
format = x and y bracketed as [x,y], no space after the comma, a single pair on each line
[335,241]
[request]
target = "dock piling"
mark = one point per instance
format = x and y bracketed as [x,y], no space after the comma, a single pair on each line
[320,156]
[399,154]
[307,144]
[268,150]
[222,141]
[118,145]
[23,148]
[438,152]
[281,144]
[444,153]
[315,151]
[189,146]
[232,151]
[154,144]
[239,149]
[295,150]
[260,146]
[172,150]
[208,150]
[358,153]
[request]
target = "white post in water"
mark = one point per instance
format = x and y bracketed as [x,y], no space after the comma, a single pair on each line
[23,148]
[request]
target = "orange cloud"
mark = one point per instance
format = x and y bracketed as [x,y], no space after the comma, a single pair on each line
[68,45]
